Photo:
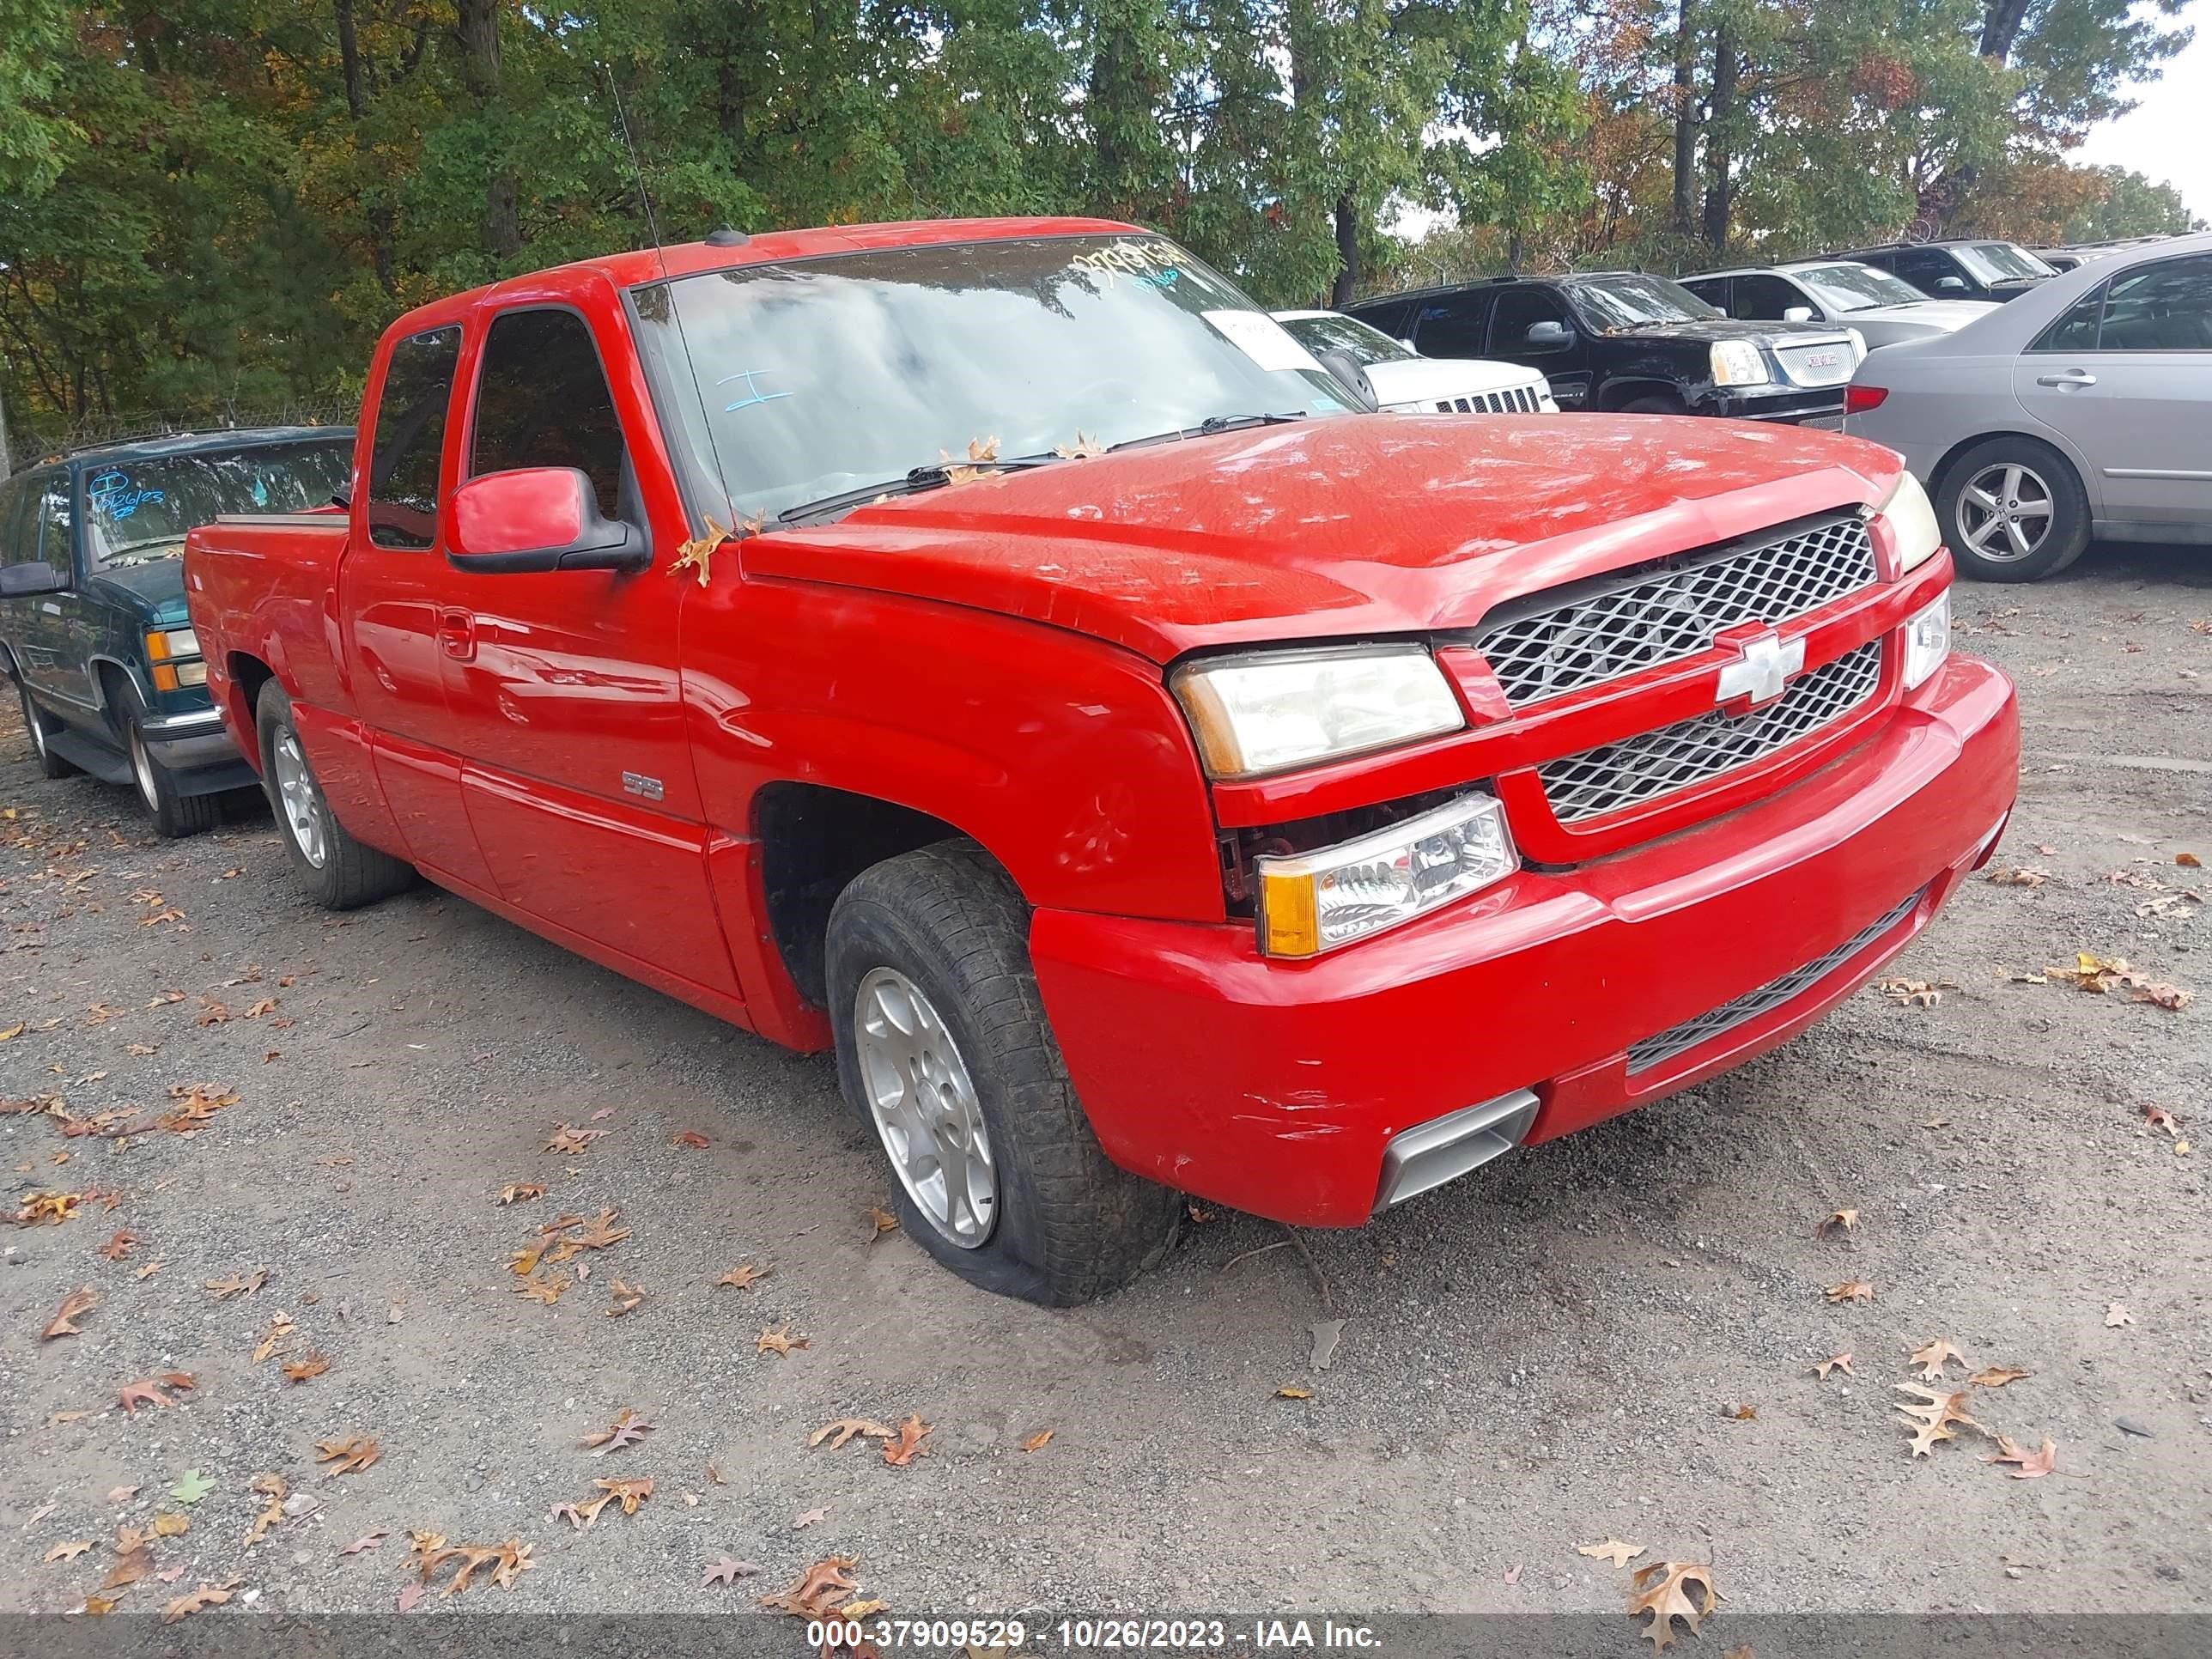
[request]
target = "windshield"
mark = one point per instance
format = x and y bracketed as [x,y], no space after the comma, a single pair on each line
[793,382]
[1994,261]
[139,510]
[1613,303]
[1857,288]
[1364,344]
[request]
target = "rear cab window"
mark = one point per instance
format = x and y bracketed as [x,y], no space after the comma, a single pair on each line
[542,400]
[411,438]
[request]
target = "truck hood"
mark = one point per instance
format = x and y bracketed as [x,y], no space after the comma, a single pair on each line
[1348,526]
[1936,316]
[1431,380]
[154,589]
[1706,330]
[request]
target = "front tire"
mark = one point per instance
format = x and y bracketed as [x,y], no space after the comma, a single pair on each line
[331,867]
[2013,510]
[175,814]
[943,1047]
[50,765]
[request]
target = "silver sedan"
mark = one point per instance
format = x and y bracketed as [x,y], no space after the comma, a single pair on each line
[2082,408]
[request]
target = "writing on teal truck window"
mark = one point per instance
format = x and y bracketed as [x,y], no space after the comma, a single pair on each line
[113,498]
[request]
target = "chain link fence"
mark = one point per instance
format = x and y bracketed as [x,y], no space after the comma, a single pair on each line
[30,443]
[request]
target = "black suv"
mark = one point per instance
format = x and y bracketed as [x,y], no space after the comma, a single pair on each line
[1961,270]
[93,629]
[1621,340]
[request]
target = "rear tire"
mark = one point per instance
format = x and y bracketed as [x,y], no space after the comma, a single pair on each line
[331,867]
[175,814]
[937,1016]
[50,765]
[1658,404]
[2013,510]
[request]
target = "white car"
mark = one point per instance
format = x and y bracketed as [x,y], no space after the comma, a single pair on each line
[2082,408]
[1884,308]
[1407,383]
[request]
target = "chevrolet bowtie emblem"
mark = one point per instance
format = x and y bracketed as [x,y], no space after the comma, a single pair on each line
[1764,671]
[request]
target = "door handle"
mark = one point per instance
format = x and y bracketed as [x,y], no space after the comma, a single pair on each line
[457,635]
[2069,377]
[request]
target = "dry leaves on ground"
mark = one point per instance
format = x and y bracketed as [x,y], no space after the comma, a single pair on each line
[1836,1221]
[573,1141]
[1612,1550]
[2028,875]
[778,1340]
[880,1221]
[307,1368]
[509,1562]
[728,1571]
[1835,1362]
[627,1430]
[2116,1315]
[1663,1590]
[744,1277]
[368,1540]
[845,1428]
[519,1192]
[1933,1418]
[348,1456]
[1997,1376]
[1932,1358]
[1851,1290]
[2029,1464]
[1038,1441]
[2103,975]
[690,1137]
[543,1287]
[800,1523]
[132,1395]
[280,1327]
[68,1551]
[237,1284]
[1293,1391]
[907,1446]
[272,1487]
[2160,1118]
[628,1494]
[822,1589]
[118,1247]
[74,1306]
[1915,993]
[627,1298]
[207,1596]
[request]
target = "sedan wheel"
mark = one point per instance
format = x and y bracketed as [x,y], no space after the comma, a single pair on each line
[2005,513]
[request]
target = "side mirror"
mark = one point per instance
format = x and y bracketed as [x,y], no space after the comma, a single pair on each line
[1797,314]
[1950,285]
[1409,345]
[1550,335]
[18,580]
[1346,368]
[538,518]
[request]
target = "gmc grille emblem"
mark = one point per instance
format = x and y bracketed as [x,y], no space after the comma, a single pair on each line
[1763,671]
[1822,359]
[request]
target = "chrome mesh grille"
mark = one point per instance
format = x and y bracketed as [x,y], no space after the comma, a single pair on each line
[1681,1039]
[1827,363]
[1675,612]
[1635,769]
[1519,399]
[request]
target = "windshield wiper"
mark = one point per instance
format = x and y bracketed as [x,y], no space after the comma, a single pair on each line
[1210,425]
[934,475]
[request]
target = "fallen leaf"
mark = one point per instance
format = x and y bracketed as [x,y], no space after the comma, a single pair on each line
[121,1494]
[819,1590]
[1740,1413]
[690,1137]
[1915,993]
[236,1284]
[2161,1119]
[411,1596]
[1835,1362]
[697,552]
[1662,1589]
[1995,1377]
[1935,1415]
[543,1287]
[1292,1391]
[2031,1464]
[812,1516]
[880,1221]
[191,1486]
[280,1327]
[1612,1550]
[69,1551]
[167,1523]
[629,1493]
[573,1141]
[207,1596]
[628,1299]
[2028,875]
[627,1430]
[74,1307]
[148,1270]
[1851,1290]
[907,1446]
[728,1571]
[272,1487]
[348,1456]
[131,1564]
[778,1340]
[509,1562]
[310,1366]
[1512,1573]
[132,1395]
[2188,860]
[2115,1315]
[521,1192]
[98,1606]
[1836,1221]
[368,1540]
[1932,1359]
[1038,1441]
[580,1515]
[744,1277]
[845,1428]
[1081,449]
[119,1246]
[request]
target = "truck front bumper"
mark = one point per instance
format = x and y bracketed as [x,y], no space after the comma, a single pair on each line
[1279,1088]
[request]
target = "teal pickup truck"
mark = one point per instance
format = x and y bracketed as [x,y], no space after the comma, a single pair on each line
[93,627]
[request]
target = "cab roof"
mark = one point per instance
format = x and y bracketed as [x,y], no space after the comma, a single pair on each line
[196,443]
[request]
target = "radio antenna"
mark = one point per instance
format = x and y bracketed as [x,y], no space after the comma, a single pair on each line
[636,167]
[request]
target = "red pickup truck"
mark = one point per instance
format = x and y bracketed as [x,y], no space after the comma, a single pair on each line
[997,650]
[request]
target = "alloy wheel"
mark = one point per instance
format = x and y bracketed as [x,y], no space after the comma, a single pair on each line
[301,801]
[142,771]
[2005,513]
[925,1108]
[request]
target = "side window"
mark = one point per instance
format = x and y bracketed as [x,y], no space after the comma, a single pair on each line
[15,548]
[1924,267]
[1764,299]
[542,400]
[54,519]
[2075,330]
[411,436]
[2166,307]
[1450,326]
[1520,309]
[1713,290]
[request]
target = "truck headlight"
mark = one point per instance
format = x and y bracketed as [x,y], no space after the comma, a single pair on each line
[1265,713]
[1739,363]
[1911,523]
[1315,901]
[164,646]
[1927,640]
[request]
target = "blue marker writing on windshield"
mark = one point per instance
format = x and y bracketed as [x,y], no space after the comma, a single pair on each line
[753,393]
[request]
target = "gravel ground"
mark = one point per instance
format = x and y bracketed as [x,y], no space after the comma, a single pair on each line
[1540,1357]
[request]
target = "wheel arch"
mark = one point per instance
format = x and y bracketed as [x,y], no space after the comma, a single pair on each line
[1627,388]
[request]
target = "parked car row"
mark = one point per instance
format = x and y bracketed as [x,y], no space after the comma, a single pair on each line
[1202,784]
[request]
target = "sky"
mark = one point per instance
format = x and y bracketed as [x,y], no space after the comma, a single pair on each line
[2167,137]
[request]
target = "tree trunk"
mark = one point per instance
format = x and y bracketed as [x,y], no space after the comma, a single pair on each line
[1720,186]
[350,59]
[1347,252]
[479,36]
[1685,123]
[2000,27]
